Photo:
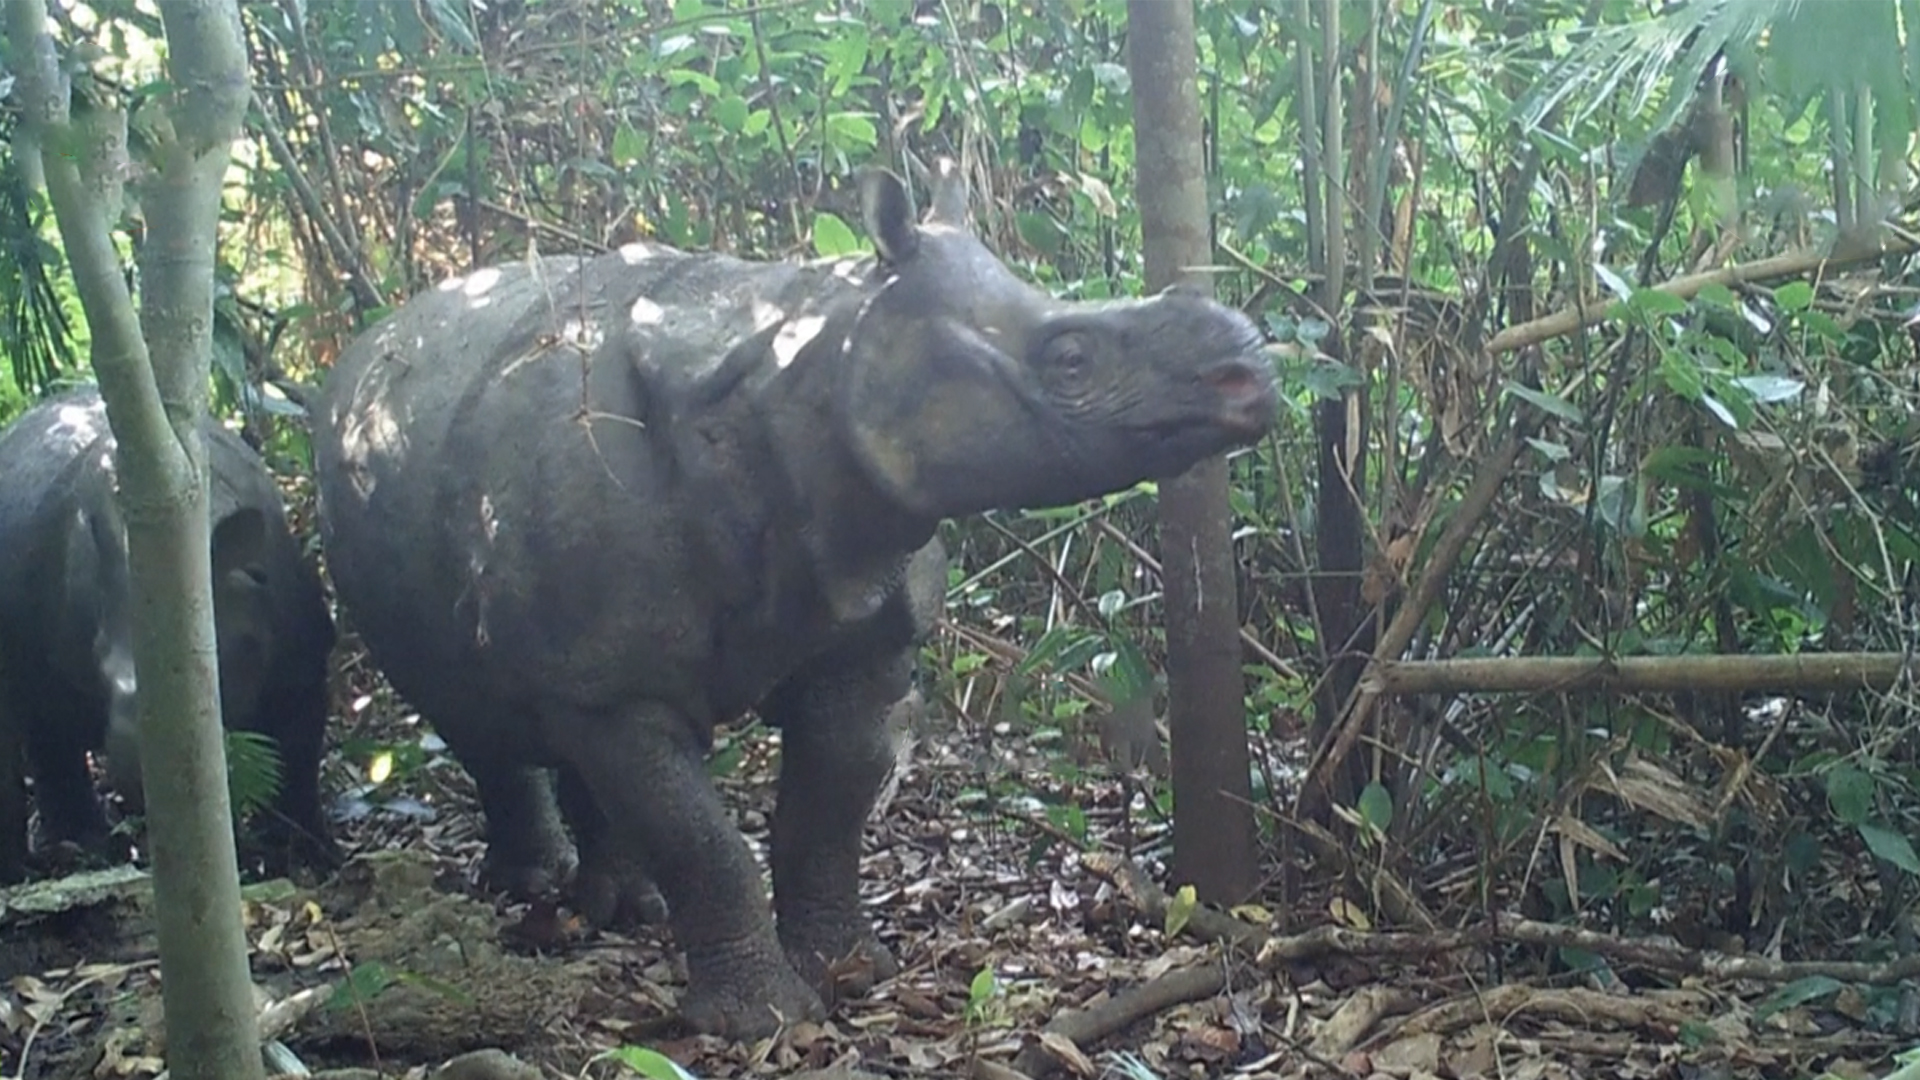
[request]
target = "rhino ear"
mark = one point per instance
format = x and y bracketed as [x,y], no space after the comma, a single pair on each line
[888,215]
[949,194]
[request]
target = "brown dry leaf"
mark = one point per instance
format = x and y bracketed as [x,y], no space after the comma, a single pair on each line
[1570,870]
[1584,835]
[1063,1049]
[1209,1044]
[1476,1053]
[1419,1054]
[1646,786]
[1347,913]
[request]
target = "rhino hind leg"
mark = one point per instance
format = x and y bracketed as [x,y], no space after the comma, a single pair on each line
[528,853]
[835,755]
[13,795]
[294,829]
[647,775]
[612,889]
[62,784]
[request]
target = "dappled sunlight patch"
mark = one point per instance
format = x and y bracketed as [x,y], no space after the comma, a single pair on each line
[795,336]
[645,312]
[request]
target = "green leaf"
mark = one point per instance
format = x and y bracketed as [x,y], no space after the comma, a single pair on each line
[651,1064]
[981,989]
[254,770]
[365,982]
[1552,403]
[730,112]
[1892,846]
[1717,295]
[1849,794]
[832,237]
[1180,909]
[1553,451]
[1376,806]
[1793,296]
[1655,302]
[853,131]
[451,17]
[628,147]
[1797,992]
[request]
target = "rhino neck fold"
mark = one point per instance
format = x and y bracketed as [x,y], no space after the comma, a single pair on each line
[856,539]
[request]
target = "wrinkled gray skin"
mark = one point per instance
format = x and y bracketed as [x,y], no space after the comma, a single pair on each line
[67,682]
[582,513]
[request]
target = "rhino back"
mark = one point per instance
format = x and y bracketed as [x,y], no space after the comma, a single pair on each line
[49,476]
[512,508]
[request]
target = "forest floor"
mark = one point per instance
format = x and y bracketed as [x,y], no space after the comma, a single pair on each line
[967,871]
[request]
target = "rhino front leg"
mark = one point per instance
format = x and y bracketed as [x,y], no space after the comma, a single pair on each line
[835,754]
[528,853]
[646,773]
[613,889]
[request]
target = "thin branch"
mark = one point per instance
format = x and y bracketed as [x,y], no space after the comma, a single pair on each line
[345,256]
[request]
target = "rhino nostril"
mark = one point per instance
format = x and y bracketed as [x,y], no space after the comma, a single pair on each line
[1234,380]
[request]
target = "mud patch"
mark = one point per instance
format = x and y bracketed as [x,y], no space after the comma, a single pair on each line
[381,964]
[427,975]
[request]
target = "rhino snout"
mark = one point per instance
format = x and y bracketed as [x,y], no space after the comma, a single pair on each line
[1245,392]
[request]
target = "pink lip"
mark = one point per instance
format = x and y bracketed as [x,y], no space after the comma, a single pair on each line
[1246,394]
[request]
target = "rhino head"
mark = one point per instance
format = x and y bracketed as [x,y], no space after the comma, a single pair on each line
[243,633]
[966,389]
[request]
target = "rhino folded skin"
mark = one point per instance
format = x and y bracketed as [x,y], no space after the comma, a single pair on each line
[565,497]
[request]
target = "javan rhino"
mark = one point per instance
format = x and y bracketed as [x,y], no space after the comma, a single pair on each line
[67,682]
[583,509]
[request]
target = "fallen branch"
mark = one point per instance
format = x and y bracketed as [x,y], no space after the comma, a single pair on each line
[282,1016]
[984,1069]
[1358,1015]
[1656,953]
[1677,959]
[1574,1005]
[1080,1026]
[1704,673]
[91,888]
[1795,264]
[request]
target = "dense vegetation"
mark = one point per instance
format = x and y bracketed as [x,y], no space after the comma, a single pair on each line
[1720,469]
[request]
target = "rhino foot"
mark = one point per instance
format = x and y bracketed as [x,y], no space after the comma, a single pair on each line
[838,960]
[523,880]
[615,893]
[746,994]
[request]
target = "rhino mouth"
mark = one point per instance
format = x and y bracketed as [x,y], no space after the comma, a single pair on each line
[1244,395]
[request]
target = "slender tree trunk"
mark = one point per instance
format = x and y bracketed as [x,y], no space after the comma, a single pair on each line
[1213,829]
[155,387]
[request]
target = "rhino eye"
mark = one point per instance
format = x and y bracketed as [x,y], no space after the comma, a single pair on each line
[1066,359]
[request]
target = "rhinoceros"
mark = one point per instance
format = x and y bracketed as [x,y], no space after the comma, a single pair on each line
[583,509]
[67,680]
